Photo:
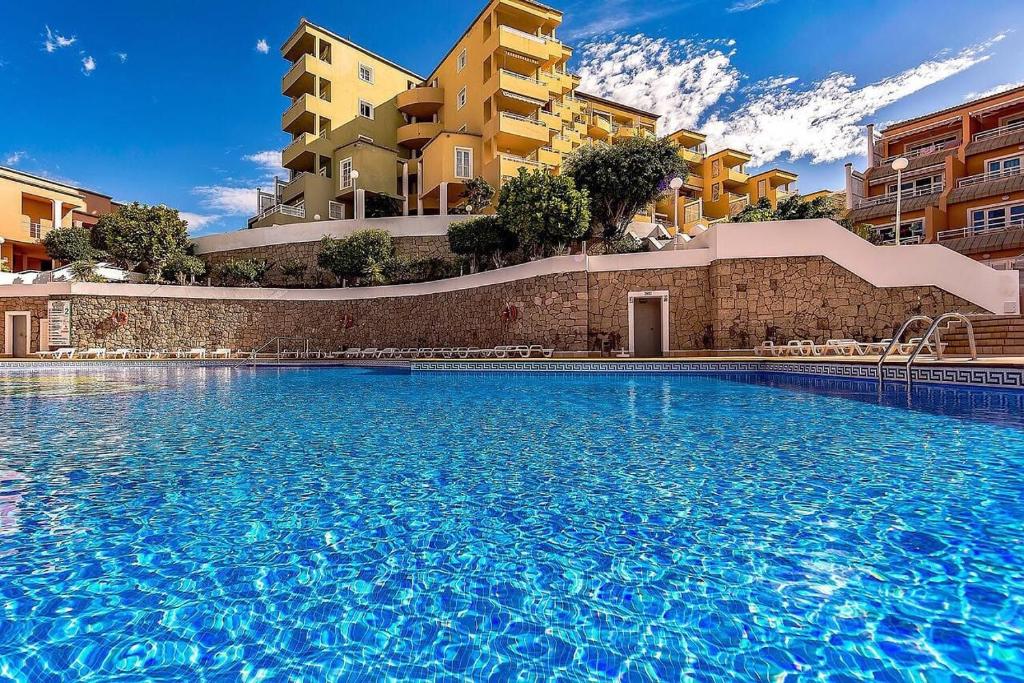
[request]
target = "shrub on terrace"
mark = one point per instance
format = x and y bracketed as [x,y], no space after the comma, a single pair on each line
[248,272]
[545,212]
[482,240]
[141,237]
[68,244]
[361,257]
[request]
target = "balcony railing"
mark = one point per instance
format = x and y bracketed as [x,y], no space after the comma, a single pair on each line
[912,239]
[986,228]
[996,132]
[987,176]
[513,74]
[935,188]
[525,161]
[693,211]
[923,151]
[283,209]
[524,119]
[524,34]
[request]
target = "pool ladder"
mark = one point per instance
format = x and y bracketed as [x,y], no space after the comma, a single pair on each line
[933,331]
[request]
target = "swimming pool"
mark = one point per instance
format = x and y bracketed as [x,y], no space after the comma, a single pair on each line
[360,524]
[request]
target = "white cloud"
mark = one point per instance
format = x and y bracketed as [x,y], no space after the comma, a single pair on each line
[994,90]
[229,201]
[614,15]
[746,5]
[680,79]
[262,46]
[197,221]
[688,83]
[123,56]
[54,40]
[88,65]
[14,158]
[269,160]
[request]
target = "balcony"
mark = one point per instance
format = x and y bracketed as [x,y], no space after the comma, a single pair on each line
[301,116]
[889,198]
[286,210]
[297,155]
[987,228]
[921,152]
[422,102]
[517,84]
[692,212]
[694,182]
[998,132]
[692,155]
[988,176]
[623,132]
[548,156]
[32,229]
[301,77]
[415,135]
[516,132]
[599,128]
[732,178]
[519,42]
[561,144]
[737,202]
[509,164]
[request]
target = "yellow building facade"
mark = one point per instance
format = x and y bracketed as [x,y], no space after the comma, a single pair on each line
[501,99]
[718,185]
[31,206]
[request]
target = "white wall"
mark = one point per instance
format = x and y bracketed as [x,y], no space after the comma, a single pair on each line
[402,226]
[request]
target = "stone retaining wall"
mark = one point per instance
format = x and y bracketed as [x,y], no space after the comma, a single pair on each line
[729,304]
[417,248]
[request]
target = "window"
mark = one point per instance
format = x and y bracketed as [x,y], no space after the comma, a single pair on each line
[716,192]
[918,186]
[997,218]
[463,162]
[345,173]
[461,61]
[365,109]
[762,188]
[461,101]
[1004,167]
[716,168]
[366,73]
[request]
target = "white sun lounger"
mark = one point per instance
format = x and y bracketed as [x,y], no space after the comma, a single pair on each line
[538,349]
[63,352]
[93,352]
[121,353]
[369,353]
[221,353]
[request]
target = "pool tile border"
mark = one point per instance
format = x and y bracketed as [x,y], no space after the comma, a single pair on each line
[960,375]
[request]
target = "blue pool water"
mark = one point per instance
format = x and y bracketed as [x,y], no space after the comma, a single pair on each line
[358,525]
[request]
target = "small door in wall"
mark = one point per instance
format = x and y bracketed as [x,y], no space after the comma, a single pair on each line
[647,328]
[19,335]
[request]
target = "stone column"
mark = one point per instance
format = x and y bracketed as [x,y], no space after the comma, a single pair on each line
[405,189]
[849,186]
[871,145]
[443,199]
[360,204]
[58,209]
[420,184]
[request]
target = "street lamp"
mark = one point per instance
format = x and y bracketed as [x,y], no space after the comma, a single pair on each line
[355,195]
[899,165]
[675,185]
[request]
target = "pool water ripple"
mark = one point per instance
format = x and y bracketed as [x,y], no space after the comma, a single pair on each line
[350,524]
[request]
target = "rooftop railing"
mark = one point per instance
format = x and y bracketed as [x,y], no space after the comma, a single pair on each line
[996,132]
[283,209]
[987,176]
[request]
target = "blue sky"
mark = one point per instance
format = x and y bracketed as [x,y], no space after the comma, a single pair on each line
[175,103]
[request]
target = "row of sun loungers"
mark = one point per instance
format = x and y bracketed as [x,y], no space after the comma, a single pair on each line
[839,347]
[520,351]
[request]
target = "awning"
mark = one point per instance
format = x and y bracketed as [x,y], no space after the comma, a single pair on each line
[988,111]
[921,129]
[524,98]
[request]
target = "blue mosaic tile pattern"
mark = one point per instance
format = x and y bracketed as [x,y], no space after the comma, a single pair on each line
[210,523]
[967,375]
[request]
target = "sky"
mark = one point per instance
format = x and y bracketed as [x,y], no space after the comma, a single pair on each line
[179,103]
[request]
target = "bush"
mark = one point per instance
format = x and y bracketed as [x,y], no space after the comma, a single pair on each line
[477,194]
[399,272]
[84,270]
[248,272]
[184,269]
[359,257]
[68,245]
[383,206]
[543,211]
[294,271]
[480,240]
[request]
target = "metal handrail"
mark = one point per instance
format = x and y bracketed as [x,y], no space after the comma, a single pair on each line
[934,330]
[254,355]
[896,340]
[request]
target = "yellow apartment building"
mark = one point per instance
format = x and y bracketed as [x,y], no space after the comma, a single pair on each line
[962,186]
[719,185]
[30,206]
[501,99]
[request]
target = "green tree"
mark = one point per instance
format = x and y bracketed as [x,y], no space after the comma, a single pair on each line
[477,195]
[69,244]
[141,237]
[247,272]
[382,206]
[623,179]
[792,208]
[543,211]
[481,239]
[363,256]
[84,270]
[757,212]
[294,271]
[184,269]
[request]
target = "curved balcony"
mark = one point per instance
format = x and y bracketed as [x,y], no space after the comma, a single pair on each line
[420,102]
[415,135]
